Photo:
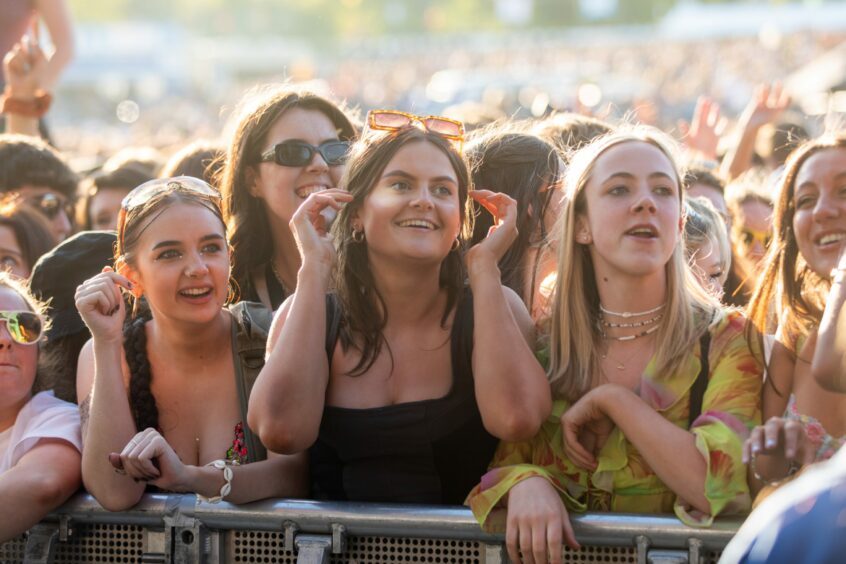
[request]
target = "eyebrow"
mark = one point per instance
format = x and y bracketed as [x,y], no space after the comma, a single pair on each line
[630,176]
[10,251]
[174,243]
[403,174]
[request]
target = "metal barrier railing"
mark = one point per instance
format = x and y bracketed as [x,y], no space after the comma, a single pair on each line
[180,529]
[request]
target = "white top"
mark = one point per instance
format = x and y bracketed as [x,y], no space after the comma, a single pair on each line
[43,417]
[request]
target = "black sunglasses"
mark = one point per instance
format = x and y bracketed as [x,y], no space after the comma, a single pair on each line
[300,153]
[50,205]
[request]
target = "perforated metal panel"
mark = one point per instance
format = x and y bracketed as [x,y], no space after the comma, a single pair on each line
[13,551]
[102,543]
[258,547]
[591,554]
[388,549]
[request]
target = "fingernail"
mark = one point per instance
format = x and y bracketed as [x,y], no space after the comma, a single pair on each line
[770,443]
[755,448]
[790,453]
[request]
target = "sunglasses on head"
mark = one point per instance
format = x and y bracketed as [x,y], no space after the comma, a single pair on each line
[51,205]
[23,326]
[300,153]
[393,120]
[145,192]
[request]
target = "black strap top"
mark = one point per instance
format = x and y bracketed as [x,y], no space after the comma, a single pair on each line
[430,451]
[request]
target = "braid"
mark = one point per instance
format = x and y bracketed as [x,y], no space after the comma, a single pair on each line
[141,400]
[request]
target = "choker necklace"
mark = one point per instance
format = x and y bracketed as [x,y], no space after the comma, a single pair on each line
[627,314]
[643,323]
[631,337]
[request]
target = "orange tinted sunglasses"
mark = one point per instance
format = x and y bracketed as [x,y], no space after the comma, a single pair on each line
[393,120]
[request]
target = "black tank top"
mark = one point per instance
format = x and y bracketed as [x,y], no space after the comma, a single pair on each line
[430,451]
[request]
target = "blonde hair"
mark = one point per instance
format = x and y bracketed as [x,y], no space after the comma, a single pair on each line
[703,223]
[575,339]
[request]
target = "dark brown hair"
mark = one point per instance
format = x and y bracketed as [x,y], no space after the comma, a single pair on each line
[789,292]
[519,165]
[250,234]
[364,312]
[138,219]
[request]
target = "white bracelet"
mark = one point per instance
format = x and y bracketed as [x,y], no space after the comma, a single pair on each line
[225,488]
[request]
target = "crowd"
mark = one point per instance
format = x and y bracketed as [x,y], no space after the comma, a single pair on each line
[544,317]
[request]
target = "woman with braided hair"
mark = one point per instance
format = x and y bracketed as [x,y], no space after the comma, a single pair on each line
[163,396]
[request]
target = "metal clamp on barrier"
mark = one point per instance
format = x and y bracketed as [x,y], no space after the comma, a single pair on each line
[315,549]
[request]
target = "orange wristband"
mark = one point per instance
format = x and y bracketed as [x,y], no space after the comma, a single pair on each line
[33,108]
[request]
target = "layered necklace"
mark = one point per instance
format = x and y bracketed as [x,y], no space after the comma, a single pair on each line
[646,323]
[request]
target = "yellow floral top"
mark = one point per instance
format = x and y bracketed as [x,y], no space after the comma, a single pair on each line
[623,480]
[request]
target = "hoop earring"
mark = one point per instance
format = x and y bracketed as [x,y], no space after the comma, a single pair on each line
[358,236]
[456,244]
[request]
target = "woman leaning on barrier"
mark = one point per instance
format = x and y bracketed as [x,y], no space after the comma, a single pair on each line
[287,145]
[399,379]
[803,288]
[39,434]
[163,397]
[656,384]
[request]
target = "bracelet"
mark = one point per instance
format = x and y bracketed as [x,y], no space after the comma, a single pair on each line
[33,108]
[792,469]
[225,488]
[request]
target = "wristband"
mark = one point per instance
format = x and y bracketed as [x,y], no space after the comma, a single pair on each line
[227,485]
[33,108]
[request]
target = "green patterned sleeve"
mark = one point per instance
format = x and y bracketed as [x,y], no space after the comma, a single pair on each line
[731,407]
[515,462]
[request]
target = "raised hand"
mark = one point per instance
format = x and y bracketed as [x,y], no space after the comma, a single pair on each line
[767,103]
[537,523]
[311,227]
[25,67]
[585,428]
[503,232]
[148,457]
[101,306]
[702,135]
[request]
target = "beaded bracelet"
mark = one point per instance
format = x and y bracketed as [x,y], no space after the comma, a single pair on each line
[225,488]
[791,470]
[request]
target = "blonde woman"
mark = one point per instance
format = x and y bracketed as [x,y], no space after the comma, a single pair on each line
[644,421]
[707,245]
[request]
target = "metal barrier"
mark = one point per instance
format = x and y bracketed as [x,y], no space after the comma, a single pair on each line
[179,529]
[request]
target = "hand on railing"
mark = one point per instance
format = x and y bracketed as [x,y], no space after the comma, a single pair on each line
[149,458]
[537,523]
[785,444]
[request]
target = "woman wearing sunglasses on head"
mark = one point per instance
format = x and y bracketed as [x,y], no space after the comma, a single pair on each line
[656,385]
[287,145]
[163,398]
[802,289]
[401,379]
[39,434]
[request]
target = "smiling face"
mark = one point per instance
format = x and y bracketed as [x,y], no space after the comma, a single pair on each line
[283,188]
[17,362]
[632,221]
[181,263]
[819,198]
[413,211]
